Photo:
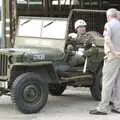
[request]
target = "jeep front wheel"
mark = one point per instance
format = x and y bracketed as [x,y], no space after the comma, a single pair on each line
[29,92]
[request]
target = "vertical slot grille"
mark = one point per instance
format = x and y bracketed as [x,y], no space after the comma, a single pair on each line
[3,64]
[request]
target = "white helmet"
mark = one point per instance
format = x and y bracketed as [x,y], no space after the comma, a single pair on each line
[80,22]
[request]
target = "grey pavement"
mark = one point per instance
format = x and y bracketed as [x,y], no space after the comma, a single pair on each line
[74,104]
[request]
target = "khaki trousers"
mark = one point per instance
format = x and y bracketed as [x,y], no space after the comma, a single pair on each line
[110,85]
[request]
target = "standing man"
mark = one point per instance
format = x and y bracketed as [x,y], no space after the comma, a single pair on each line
[111,68]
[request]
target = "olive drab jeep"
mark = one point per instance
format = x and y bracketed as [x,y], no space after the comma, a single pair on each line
[37,62]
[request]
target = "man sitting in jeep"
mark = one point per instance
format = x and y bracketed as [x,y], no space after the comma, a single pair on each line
[80,44]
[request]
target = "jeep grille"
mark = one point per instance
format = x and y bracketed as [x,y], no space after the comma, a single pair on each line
[3,64]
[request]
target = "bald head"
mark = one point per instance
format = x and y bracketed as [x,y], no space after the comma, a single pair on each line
[111,13]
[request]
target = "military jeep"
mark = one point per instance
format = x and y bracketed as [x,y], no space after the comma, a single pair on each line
[37,63]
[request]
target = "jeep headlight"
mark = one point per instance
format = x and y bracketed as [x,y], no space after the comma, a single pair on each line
[38,57]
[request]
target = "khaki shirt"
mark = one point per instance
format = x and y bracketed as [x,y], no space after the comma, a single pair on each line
[83,40]
[86,38]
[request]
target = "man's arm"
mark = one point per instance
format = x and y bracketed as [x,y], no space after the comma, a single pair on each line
[90,47]
[90,41]
[91,51]
[70,44]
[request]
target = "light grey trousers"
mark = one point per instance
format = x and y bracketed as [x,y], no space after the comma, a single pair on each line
[110,85]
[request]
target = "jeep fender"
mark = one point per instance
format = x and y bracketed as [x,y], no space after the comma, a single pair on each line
[45,70]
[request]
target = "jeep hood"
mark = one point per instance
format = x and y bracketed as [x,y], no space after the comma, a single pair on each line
[46,53]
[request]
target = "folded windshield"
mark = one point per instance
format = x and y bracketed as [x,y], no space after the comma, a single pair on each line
[43,28]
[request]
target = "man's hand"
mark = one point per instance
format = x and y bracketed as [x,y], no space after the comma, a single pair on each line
[80,51]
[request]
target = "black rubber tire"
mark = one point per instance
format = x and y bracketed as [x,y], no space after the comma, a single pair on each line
[29,92]
[57,90]
[96,87]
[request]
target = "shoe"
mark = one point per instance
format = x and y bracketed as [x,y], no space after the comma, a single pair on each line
[96,112]
[115,111]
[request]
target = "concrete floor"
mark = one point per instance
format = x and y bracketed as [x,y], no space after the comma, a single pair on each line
[74,104]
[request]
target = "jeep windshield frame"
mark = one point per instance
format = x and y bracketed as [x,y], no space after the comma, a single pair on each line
[42,27]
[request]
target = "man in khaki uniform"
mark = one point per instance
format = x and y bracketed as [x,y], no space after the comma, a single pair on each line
[79,44]
[111,68]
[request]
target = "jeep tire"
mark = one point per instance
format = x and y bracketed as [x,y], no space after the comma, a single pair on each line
[29,92]
[96,87]
[57,90]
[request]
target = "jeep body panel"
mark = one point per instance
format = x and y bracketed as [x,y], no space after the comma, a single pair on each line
[18,61]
